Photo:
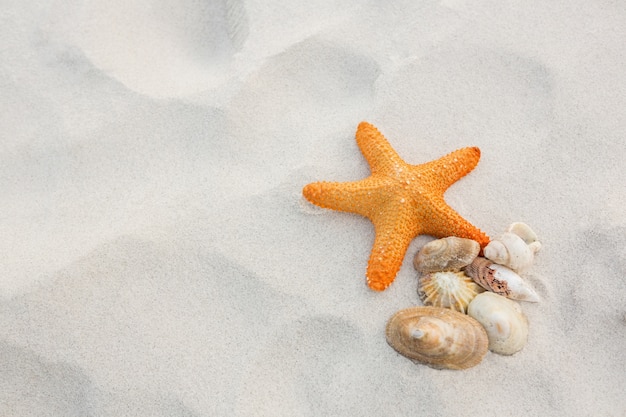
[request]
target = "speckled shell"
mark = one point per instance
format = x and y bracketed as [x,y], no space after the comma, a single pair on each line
[527,234]
[511,251]
[500,280]
[447,254]
[448,289]
[506,325]
[437,337]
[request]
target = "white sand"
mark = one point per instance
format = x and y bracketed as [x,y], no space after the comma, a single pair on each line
[157,256]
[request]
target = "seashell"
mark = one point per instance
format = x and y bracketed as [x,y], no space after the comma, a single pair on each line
[510,250]
[527,234]
[437,337]
[447,254]
[447,289]
[506,325]
[500,280]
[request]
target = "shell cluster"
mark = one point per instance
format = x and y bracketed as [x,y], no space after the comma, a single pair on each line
[452,280]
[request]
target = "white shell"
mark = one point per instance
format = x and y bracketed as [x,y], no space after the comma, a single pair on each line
[446,254]
[506,325]
[500,280]
[447,289]
[510,250]
[526,233]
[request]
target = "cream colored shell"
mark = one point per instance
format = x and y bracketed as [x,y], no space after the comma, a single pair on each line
[448,289]
[506,325]
[500,280]
[447,254]
[511,251]
[437,337]
[525,232]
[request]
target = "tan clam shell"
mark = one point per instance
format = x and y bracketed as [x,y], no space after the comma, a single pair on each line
[447,289]
[506,325]
[438,337]
[447,254]
[500,280]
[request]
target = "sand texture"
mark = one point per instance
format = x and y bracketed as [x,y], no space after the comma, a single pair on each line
[158,258]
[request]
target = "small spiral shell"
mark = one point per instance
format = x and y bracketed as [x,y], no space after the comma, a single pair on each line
[511,251]
[527,234]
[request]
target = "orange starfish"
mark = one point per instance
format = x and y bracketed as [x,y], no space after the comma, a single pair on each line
[401,200]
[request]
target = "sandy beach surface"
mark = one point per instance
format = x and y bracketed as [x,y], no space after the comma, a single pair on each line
[157,255]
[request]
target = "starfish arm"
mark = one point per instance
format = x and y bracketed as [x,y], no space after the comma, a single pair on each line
[393,236]
[401,200]
[355,197]
[448,169]
[376,149]
[447,222]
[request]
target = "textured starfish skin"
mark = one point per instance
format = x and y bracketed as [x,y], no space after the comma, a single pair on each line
[401,200]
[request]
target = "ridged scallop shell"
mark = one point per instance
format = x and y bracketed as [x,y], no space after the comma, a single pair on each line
[448,289]
[447,254]
[506,325]
[437,337]
[500,280]
[527,234]
[511,251]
